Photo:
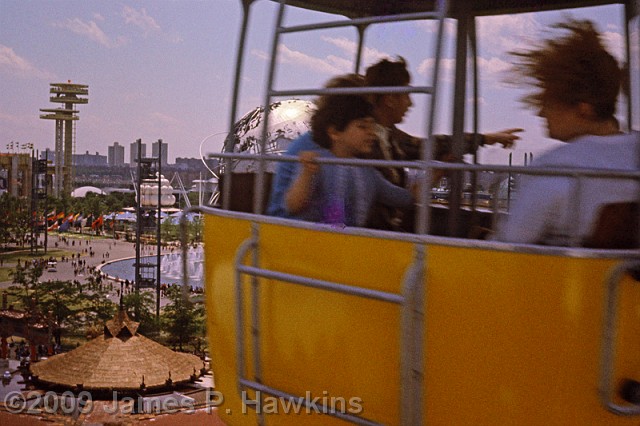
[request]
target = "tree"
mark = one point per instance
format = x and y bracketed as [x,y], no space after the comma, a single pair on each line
[100,308]
[184,320]
[195,229]
[27,275]
[169,231]
[15,219]
[144,303]
[64,300]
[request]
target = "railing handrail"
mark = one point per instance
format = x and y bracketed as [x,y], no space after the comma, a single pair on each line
[353,22]
[353,91]
[440,165]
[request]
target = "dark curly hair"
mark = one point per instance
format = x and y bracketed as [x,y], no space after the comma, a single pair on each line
[572,69]
[338,110]
[387,73]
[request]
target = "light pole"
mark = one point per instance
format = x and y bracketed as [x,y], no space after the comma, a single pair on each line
[154,192]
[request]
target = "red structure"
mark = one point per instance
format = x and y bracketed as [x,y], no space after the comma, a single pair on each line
[34,328]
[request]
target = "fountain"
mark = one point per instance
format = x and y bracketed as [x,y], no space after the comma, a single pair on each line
[170,268]
[171,265]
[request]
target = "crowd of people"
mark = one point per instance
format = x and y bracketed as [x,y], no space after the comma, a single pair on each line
[577,84]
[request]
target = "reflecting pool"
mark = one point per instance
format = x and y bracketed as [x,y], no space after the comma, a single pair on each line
[170,267]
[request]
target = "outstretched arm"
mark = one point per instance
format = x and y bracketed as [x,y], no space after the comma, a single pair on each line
[442,149]
[505,137]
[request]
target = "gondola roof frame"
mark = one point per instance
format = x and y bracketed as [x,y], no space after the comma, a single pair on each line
[362,8]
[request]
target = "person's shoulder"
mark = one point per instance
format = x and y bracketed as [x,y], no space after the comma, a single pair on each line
[304,142]
[593,151]
[404,137]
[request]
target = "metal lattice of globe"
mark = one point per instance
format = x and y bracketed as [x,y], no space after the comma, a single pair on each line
[287,120]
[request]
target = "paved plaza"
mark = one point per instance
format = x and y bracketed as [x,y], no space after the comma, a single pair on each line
[81,246]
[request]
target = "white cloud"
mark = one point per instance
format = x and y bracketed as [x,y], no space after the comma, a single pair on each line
[350,47]
[430,27]
[447,67]
[343,43]
[330,65]
[140,19]
[260,54]
[340,63]
[9,118]
[91,30]
[13,63]
[288,56]
[165,120]
[506,33]
[492,70]
[492,66]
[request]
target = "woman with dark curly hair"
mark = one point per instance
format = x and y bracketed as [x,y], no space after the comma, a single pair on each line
[342,126]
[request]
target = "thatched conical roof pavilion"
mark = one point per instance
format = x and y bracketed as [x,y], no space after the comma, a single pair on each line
[119,360]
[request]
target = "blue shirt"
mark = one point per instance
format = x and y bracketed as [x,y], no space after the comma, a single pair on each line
[339,194]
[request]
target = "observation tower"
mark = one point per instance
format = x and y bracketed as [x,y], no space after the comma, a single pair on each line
[68,95]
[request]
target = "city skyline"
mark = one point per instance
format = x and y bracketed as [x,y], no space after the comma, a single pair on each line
[164,70]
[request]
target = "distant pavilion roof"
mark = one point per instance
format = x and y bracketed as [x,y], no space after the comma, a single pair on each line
[120,360]
[84,190]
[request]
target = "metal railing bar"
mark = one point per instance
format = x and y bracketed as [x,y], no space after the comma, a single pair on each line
[412,340]
[255,305]
[242,251]
[353,91]
[360,21]
[607,353]
[321,284]
[528,170]
[329,411]
[577,252]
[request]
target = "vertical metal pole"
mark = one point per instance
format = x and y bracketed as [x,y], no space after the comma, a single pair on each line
[46,201]
[473,43]
[423,220]
[33,203]
[628,15]
[138,226]
[246,6]
[67,171]
[361,30]
[258,193]
[412,340]
[158,245]
[458,120]
[509,181]
[231,140]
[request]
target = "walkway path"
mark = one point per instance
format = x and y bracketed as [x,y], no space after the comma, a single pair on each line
[104,249]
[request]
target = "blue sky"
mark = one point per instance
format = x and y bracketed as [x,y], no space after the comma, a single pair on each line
[163,69]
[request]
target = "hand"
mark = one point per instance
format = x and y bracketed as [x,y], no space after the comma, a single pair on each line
[506,137]
[309,163]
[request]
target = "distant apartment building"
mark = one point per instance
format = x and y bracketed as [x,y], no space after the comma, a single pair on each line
[133,152]
[89,160]
[115,155]
[48,154]
[165,151]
